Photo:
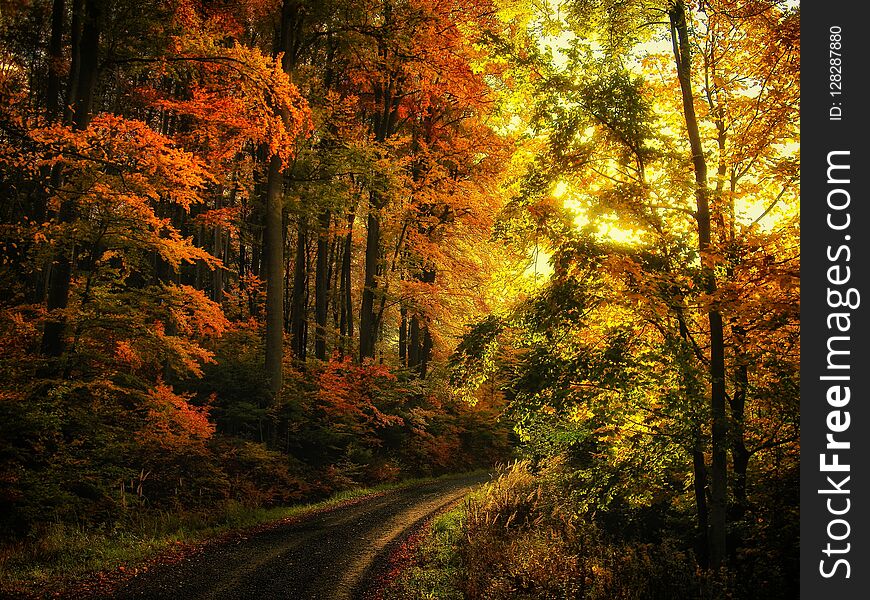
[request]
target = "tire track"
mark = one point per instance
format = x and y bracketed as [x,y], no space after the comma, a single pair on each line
[328,556]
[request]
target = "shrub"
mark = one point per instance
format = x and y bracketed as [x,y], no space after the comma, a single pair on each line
[524,537]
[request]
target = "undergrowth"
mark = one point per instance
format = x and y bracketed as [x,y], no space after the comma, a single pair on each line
[521,537]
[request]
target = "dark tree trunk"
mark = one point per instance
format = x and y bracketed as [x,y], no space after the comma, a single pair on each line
[288,274]
[286,42]
[739,452]
[403,336]
[257,256]
[217,292]
[699,469]
[414,342]
[298,306]
[367,325]
[78,10]
[89,57]
[55,60]
[88,50]
[334,275]
[426,343]
[39,209]
[719,441]
[425,351]
[274,242]
[383,123]
[699,466]
[321,286]
[242,257]
[345,326]
[419,337]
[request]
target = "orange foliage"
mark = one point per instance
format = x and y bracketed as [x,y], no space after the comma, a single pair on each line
[117,170]
[126,354]
[172,422]
[349,390]
[224,218]
[237,94]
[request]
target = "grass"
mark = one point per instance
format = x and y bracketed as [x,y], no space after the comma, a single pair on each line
[61,553]
[436,568]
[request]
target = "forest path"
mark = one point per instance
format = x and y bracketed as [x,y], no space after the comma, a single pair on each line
[330,555]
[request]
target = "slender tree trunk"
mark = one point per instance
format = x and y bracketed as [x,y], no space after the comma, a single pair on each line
[699,468]
[55,60]
[403,336]
[199,267]
[257,255]
[428,277]
[425,350]
[306,294]
[39,208]
[719,441]
[383,125]
[298,306]
[334,276]
[419,343]
[88,50]
[274,242]
[218,251]
[367,325]
[242,258]
[78,15]
[345,326]
[286,41]
[288,297]
[321,286]
[739,452]
[414,342]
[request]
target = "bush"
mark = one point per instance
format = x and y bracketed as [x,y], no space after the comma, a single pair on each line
[524,537]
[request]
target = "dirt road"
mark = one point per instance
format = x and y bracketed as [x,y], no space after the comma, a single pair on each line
[328,556]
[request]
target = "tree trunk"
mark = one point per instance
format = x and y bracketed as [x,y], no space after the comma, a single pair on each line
[217,292]
[333,283]
[367,325]
[274,242]
[403,336]
[419,342]
[321,286]
[699,469]
[426,343]
[739,452]
[286,41]
[55,60]
[87,50]
[298,306]
[39,208]
[719,441]
[414,342]
[425,350]
[699,466]
[345,326]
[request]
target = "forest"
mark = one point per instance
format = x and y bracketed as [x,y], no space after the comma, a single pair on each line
[259,252]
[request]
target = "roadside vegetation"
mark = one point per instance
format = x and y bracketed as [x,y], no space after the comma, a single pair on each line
[525,536]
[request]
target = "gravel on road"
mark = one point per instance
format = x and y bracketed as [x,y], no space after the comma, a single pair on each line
[327,556]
